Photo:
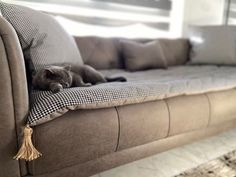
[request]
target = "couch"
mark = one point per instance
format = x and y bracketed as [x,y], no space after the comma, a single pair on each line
[84,142]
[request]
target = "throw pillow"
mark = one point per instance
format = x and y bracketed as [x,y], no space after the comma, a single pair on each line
[141,56]
[176,51]
[100,53]
[46,39]
[213,45]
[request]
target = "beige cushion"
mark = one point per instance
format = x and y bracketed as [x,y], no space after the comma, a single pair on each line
[213,45]
[222,106]
[100,53]
[77,137]
[176,51]
[142,123]
[141,56]
[188,113]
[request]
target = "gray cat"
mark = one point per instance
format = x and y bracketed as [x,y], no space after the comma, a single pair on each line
[55,78]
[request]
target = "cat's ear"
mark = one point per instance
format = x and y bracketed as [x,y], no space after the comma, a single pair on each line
[67,67]
[49,72]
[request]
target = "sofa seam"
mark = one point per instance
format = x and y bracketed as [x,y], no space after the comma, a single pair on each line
[210,109]
[168,109]
[118,138]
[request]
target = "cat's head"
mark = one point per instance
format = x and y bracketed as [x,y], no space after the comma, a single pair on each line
[54,74]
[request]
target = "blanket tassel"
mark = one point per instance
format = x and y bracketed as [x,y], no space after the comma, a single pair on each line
[27,150]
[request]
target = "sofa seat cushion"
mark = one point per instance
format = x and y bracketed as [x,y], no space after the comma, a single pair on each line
[82,136]
[141,87]
[77,137]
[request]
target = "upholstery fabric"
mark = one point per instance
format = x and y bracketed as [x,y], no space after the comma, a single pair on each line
[222,104]
[213,45]
[188,113]
[176,51]
[106,53]
[141,87]
[136,128]
[51,44]
[14,100]
[141,56]
[43,168]
[8,143]
[100,53]
[80,136]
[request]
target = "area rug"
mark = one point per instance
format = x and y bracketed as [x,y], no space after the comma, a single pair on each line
[224,166]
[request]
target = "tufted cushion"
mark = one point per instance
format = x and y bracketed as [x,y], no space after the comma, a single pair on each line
[47,42]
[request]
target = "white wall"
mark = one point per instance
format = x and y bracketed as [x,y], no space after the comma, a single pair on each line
[177,18]
[203,12]
[198,12]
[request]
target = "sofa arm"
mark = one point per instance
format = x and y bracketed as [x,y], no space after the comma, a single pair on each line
[13,99]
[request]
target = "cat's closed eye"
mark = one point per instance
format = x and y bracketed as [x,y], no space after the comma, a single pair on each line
[54,76]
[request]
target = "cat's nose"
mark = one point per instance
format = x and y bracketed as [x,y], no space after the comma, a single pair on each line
[66,85]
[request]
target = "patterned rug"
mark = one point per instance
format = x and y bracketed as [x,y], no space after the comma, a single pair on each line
[224,166]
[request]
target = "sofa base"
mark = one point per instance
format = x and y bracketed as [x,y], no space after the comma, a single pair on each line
[139,152]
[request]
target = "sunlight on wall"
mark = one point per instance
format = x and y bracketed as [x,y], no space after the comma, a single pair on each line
[202,12]
[135,30]
[183,14]
[177,18]
[130,31]
[197,40]
[91,12]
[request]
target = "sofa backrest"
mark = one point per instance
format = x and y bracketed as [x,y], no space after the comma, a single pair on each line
[100,53]
[105,53]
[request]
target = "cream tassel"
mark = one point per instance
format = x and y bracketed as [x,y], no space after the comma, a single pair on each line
[27,150]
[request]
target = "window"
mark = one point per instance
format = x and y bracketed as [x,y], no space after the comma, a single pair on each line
[108,18]
[230,12]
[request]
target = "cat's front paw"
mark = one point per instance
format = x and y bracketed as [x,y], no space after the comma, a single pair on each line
[87,84]
[55,88]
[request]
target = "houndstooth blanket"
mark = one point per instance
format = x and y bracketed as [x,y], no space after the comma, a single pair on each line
[141,87]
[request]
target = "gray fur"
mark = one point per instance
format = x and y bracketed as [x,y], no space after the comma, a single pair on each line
[55,78]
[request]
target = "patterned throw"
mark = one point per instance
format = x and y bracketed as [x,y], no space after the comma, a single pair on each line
[224,166]
[141,87]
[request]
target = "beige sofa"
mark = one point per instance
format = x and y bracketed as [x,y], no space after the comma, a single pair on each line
[84,142]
